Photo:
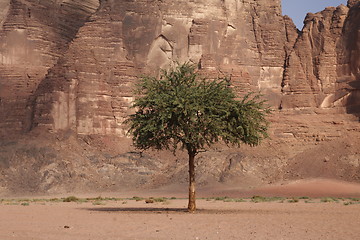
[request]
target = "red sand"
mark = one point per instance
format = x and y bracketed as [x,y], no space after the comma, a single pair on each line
[313,188]
[300,188]
[214,219]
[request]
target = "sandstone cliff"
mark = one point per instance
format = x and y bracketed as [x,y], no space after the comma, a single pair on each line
[67,67]
[33,35]
[323,68]
[71,64]
[89,90]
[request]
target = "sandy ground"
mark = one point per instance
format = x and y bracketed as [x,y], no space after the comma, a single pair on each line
[130,219]
[214,220]
[308,187]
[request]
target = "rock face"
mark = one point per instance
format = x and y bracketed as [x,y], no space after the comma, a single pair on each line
[33,35]
[90,88]
[322,70]
[72,64]
[68,67]
[350,60]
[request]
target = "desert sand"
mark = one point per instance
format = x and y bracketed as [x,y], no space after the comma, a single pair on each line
[309,218]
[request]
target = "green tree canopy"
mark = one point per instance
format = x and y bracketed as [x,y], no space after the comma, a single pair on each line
[182,109]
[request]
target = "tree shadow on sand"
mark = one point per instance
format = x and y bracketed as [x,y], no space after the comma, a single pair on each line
[151,210]
[139,210]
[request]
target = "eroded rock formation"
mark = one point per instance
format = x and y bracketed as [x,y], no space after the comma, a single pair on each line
[71,64]
[322,70]
[68,67]
[90,87]
[33,35]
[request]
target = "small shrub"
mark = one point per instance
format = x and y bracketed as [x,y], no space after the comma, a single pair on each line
[304,198]
[350,203]
[98,203]
[104,199]
[328,199]
[83,200]
[234,200]
[55,200]
[25,204]
[161,199]
[137,198]
[220,198]
[71,199]
[99,198]
[112,199]
[274,199]
[12,203]
[257,199]
[293,200]
[355,199]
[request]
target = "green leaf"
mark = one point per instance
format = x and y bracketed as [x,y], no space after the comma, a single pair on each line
[183,109]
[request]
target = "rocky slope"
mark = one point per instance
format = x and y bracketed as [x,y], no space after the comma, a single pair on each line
[67,69]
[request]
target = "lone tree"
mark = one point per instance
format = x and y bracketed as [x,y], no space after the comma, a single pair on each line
[182,109]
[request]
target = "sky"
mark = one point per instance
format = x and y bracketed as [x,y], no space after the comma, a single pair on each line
[297,9]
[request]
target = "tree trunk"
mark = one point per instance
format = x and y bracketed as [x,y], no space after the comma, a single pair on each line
[192,205]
